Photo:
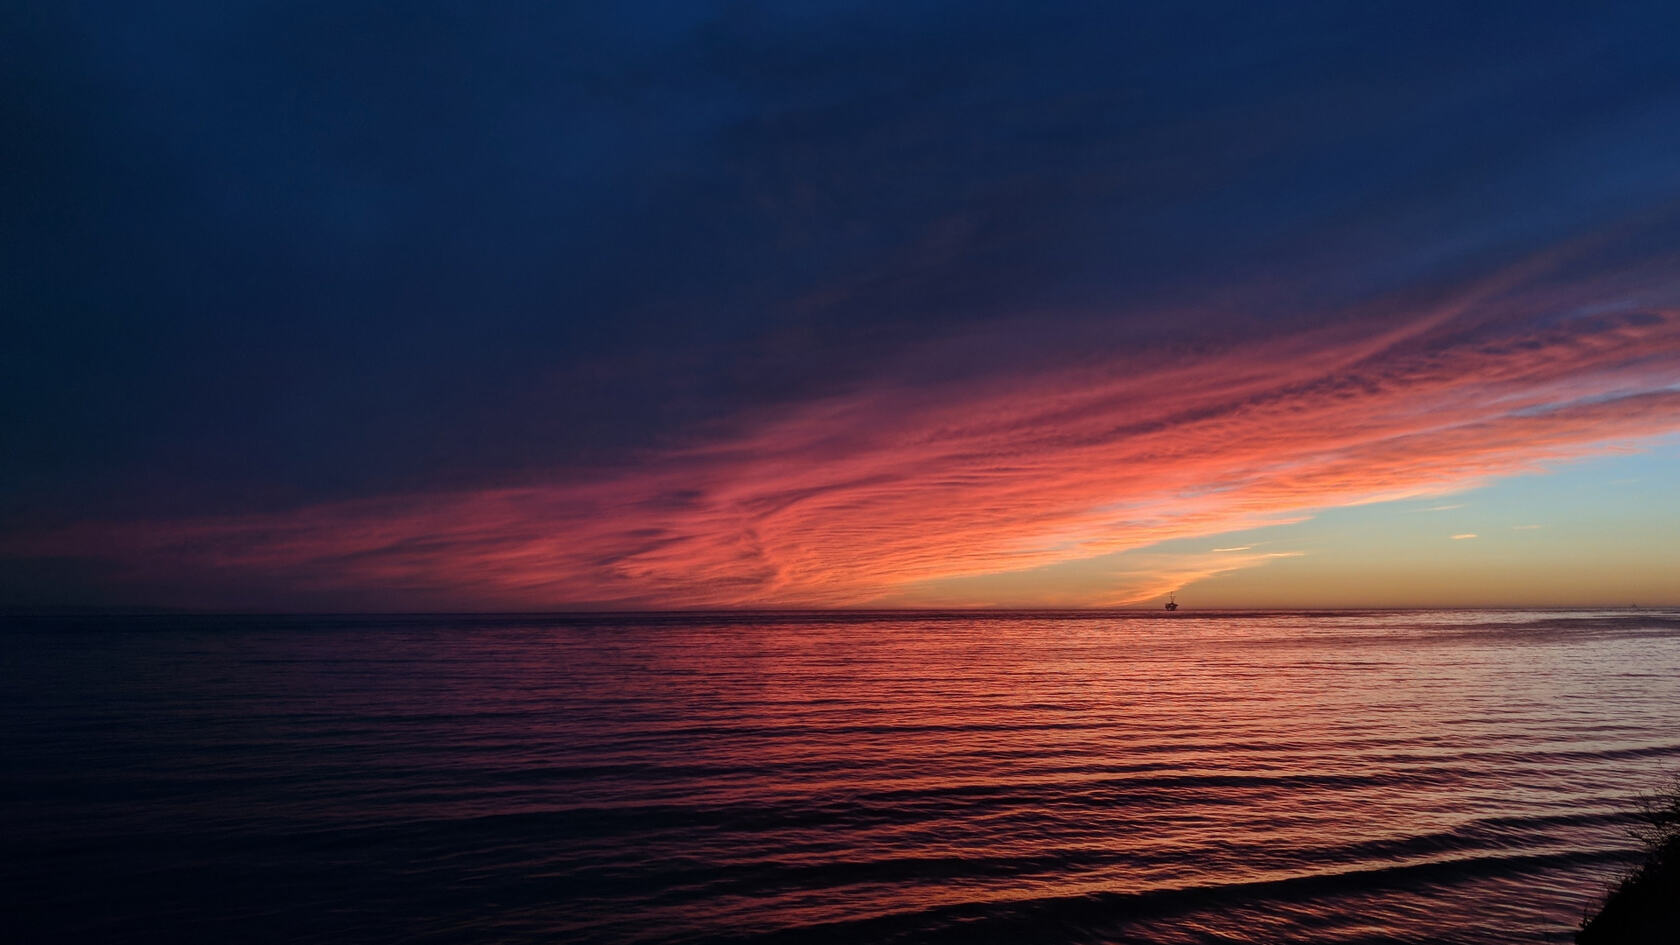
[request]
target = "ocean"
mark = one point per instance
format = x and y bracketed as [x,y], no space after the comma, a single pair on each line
[1232,777]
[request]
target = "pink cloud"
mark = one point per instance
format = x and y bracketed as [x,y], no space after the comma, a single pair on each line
[869,496]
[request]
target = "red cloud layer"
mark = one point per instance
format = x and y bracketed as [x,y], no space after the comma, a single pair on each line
[864,497]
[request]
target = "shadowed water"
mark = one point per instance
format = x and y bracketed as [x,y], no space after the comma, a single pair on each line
[1335,777]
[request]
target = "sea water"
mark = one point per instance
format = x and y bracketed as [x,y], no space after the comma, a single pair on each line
[1387,776]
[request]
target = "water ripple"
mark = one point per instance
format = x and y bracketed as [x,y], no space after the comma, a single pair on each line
[1336,777]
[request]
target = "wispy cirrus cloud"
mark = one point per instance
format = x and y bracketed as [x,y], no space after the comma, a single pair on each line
[902,490]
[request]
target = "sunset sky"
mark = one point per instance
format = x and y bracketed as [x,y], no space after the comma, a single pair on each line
[689,305]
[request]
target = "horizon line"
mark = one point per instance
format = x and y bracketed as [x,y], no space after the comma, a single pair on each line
[77,611]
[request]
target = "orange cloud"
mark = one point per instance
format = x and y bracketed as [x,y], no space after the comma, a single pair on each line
[888,492]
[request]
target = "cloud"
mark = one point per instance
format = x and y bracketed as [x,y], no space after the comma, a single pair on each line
[1119,580]
[1237,548]
[1524,528]
[1463,535]
[1445,508]
[868,495]
[757,305]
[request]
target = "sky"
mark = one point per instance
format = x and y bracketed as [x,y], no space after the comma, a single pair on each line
[349,306]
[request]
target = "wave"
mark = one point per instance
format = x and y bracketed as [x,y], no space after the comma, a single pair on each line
[1100,915]
[852,778]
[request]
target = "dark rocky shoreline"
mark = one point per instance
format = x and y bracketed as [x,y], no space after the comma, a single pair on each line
[1644,908]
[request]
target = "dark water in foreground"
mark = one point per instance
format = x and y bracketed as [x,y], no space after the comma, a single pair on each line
[1347,777]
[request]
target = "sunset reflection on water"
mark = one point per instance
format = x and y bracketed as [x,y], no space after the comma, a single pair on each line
[1348,776]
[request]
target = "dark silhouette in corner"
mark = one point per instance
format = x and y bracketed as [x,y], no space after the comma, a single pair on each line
[1645,906]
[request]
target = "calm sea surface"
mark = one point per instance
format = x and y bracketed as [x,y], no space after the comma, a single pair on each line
[1199,777]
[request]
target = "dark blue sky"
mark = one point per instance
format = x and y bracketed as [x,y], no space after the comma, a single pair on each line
[266,256]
